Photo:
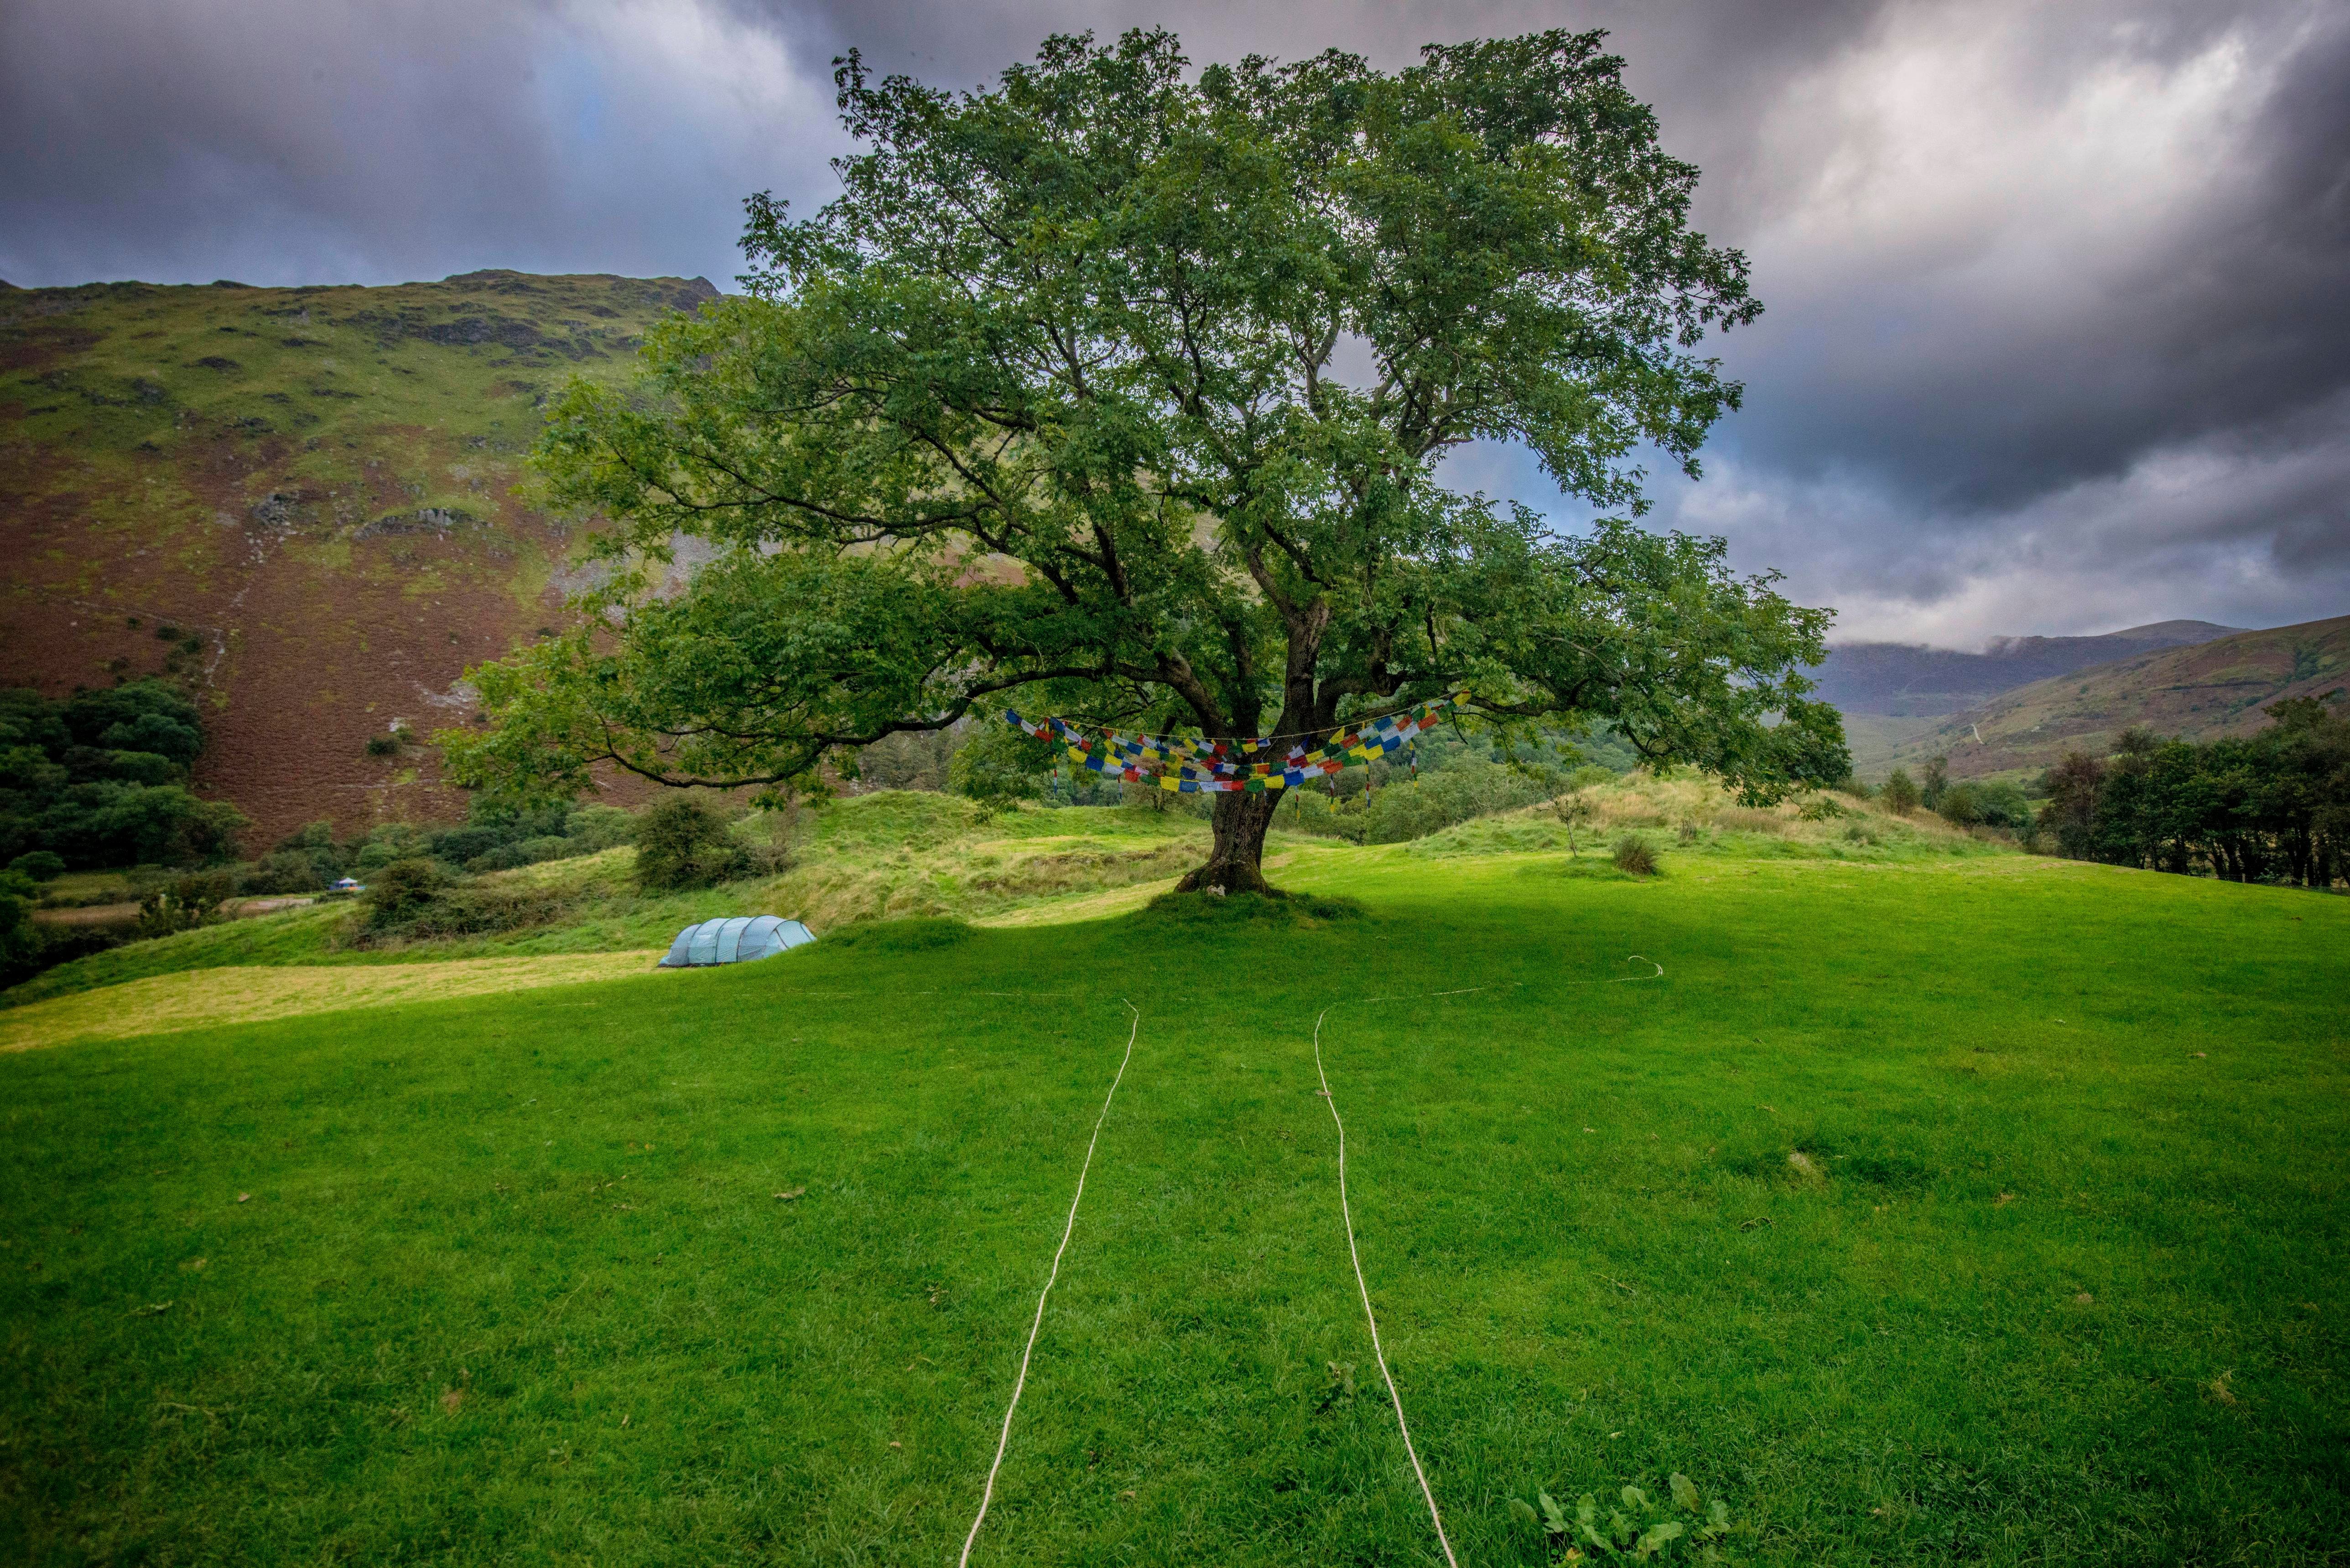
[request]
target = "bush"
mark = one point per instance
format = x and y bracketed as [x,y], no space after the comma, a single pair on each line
[389,842]
[1933,779]
[383,745]
[1459,792]
[595,827]
[312,846]
[40,865]
[1996,805]
[684,844]
[463,911]
[1900,794]
[402,891]
[1634,858]
[284,871]
[184,903]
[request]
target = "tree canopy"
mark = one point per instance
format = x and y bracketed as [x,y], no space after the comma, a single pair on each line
[1125,393]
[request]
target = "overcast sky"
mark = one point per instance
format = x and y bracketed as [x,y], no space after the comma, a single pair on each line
[2057,338]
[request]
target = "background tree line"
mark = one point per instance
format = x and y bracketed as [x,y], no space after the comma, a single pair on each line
[2272,807]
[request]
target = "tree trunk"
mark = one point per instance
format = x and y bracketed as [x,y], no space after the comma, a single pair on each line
[1237,863]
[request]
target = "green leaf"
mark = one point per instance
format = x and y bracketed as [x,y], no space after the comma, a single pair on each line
[1635,1497]
[1684,1492]
[1557,1516]
[1718,1518]
[1522,1511]
[1654,1541]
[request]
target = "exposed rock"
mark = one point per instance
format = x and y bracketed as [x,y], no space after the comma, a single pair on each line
[424,520]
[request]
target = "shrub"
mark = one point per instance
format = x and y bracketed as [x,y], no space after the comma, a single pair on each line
[284,871]
[1460,791]
[313,847]
[184,903]
[463,911]
[40,865]
[595,827]
[1933,779]
[383,745]
[402,891]
[776,838]
[1820,808]
[1900,794]
[1994,805]
[1634,858]
[683,843]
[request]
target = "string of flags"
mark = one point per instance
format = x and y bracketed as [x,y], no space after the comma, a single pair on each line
[1201,765]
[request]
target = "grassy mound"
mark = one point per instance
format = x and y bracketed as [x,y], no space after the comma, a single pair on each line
[1246,912]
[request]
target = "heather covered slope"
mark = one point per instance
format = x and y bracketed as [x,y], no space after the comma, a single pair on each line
[308,489]
[1909,680]
[2201,693]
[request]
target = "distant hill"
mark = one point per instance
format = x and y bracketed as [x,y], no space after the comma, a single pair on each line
[1909,680]
[308,490]
[2201,691]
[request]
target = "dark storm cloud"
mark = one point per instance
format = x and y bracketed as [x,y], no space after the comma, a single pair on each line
[287,141]
[2055,341]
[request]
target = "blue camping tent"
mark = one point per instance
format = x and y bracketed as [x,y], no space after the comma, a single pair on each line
[737,940]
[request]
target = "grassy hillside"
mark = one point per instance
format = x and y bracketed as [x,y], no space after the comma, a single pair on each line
[297,498]
[891,855]
[1913,1233]
[2202,693]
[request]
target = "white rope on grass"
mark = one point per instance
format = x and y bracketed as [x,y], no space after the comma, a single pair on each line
[1021,1382]
[1346,1212]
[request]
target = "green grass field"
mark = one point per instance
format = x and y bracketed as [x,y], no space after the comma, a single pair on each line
[514,1282]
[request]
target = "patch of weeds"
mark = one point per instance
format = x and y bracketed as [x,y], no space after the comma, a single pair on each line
[1341,1390]
[1637,1527]
[1634,858]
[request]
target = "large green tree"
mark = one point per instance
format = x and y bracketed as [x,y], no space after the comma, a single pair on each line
[1124,394]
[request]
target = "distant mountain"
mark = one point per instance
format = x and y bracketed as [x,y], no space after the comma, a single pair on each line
[1910,679]
[299,501]
[2201,691]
